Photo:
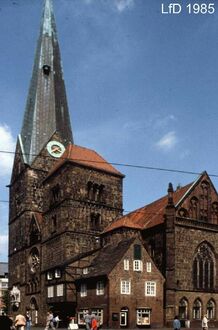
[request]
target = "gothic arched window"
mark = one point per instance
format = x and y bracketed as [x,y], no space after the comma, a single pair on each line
[211,310]
[197,309]
[214,213]
[203,267]
[183,309]
[194,206]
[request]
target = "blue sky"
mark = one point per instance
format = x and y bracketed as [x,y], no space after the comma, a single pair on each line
[142,88]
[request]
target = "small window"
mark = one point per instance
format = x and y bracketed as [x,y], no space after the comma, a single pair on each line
[50,292]
[126,264]
[85,271]
[60,290]
[100,288]
[46,69]
[137,252]
[143,316]
[125,287]
[150,288]
[57,273]
[49,276]
[95,221]
[137,265]
[83,290]
[148,266]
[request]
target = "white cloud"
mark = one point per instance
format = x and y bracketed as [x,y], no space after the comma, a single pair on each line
[167,142]
[7,143]
[3,246]
[161,122]
[122,5]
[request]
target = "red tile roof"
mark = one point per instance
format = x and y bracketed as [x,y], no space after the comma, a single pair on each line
[149,215]
[85,157]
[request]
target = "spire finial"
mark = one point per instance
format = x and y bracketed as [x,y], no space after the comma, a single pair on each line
[170,194]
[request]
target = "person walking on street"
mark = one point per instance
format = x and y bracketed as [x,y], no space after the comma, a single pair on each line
[87,319]
[28,321]
[94,325]
[56,321]
[20,322]
[205,322]
[49,321]
[176,323]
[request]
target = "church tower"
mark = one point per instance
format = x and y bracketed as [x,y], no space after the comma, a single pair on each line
[61,195]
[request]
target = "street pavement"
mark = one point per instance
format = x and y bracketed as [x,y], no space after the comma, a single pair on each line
[164,328]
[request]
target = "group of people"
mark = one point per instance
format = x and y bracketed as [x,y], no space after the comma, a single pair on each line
[20,322]
[52,322]
[177,323]
[91,321]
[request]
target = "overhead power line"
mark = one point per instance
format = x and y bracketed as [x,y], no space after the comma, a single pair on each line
[137,166]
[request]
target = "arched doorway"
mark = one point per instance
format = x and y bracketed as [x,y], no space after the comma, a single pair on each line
[34,311]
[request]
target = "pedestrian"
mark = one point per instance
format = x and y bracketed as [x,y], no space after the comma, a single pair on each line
[205,322]
[20,322]
[5,322]
[56,321]
[87,319]
[49,321]
[176,323]
[94,325]
[28,321]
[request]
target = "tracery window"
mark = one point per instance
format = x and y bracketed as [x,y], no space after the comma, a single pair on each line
[197,309]
[33,260]
[194,206]
[183,309]
[211,310]
[203,267]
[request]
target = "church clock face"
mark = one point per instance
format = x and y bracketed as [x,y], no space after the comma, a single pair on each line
[55,149]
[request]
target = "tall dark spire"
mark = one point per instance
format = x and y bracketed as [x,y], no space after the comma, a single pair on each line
[46,109]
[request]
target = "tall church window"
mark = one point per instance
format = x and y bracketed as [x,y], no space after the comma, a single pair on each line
[214,213]
[211,310]
[54,224]
[34,231]
[183,309]
[55,194]
[203,267]
[194,206]
[197,309]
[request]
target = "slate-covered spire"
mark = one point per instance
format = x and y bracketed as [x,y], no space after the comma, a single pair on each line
[46,109]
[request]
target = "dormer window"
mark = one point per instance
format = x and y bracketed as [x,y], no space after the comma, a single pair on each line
[57,273]
[49,276]
[46,69]
[85,270]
